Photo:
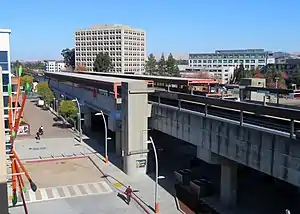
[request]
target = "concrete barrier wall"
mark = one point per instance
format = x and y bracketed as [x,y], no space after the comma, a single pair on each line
[269,153]
[99,102]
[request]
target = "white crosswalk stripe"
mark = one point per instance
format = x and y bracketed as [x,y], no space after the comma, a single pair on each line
[52,193]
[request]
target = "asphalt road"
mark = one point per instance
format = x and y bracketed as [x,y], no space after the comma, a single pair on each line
[36,116]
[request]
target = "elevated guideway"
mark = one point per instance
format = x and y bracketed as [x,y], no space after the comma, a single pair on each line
[123,101]
[225,132]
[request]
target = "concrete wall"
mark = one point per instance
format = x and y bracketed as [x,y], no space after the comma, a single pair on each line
[101,102]
[270,153]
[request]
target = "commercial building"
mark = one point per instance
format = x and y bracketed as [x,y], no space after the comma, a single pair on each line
[54,66]
[6,78]
[222,74]
[250,58]
[125,45]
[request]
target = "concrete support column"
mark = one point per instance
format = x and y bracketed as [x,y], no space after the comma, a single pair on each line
[134,115]
[3,168]
[118,143]
[87,120]
[228,193]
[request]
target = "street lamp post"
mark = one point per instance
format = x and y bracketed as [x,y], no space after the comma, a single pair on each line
[105,134]
[157,177]
[79,119]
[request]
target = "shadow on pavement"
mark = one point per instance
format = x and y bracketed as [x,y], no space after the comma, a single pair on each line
[62,125]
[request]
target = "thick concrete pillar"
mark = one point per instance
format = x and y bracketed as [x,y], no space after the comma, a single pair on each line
[87,119]
[3,168]
[134,114]
[118,143]
[228,193]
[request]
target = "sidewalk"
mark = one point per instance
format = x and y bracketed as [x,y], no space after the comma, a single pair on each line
[118,179]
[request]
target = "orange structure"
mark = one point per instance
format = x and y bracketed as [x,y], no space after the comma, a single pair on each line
[15,118]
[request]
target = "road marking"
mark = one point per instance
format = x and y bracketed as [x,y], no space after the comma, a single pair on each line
[118,185]
[60,192]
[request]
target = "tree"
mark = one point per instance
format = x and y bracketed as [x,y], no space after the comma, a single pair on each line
[162,65]
[27,79]
[102,63]
[81,68]
[199,75]
[45,92]
[150,67]
[69,57]
[68,109]
[171,67]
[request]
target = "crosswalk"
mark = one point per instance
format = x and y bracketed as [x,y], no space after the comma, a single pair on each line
[52,193]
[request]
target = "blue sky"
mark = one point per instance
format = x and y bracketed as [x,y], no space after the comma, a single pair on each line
[40,29]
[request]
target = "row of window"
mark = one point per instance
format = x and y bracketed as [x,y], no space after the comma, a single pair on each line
[111,54]
[107,32]
[240,56]
[228,61]
[88,44]
[105,38]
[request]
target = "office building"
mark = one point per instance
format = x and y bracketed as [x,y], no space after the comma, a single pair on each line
[6,73]
[5,70]
[125,45]
[54,66]
[222,74]
[250,58]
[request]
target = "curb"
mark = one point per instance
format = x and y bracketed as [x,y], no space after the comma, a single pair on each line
[55,159]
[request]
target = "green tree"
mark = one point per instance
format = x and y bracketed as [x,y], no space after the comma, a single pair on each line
[162,65]
[68,109]
[26,79]
[150,67]
[172,67]
[69,57]
[45,92]
[102,63]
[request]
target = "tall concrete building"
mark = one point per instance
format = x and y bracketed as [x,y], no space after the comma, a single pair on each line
[250,58]
[4,82]
[125,45]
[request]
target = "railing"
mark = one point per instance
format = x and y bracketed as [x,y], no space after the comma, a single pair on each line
[257,114]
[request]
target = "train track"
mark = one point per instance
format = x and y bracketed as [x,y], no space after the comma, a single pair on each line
[270,122]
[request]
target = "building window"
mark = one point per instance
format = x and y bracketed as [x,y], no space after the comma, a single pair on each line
[247,61]
[5,79]
[6,124]
[224,61]
[252,61]
[230,61]
[261,61]
[5,101]
[199,61]
[214,61]
[4,66]
[3,56]
[219,61]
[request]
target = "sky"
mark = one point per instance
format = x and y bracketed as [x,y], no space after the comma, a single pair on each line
[41,29]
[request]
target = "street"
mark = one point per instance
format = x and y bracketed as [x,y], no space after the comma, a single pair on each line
[36,116]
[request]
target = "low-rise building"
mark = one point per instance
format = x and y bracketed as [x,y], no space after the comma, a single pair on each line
[54,66]
[223,74]
[250,58]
